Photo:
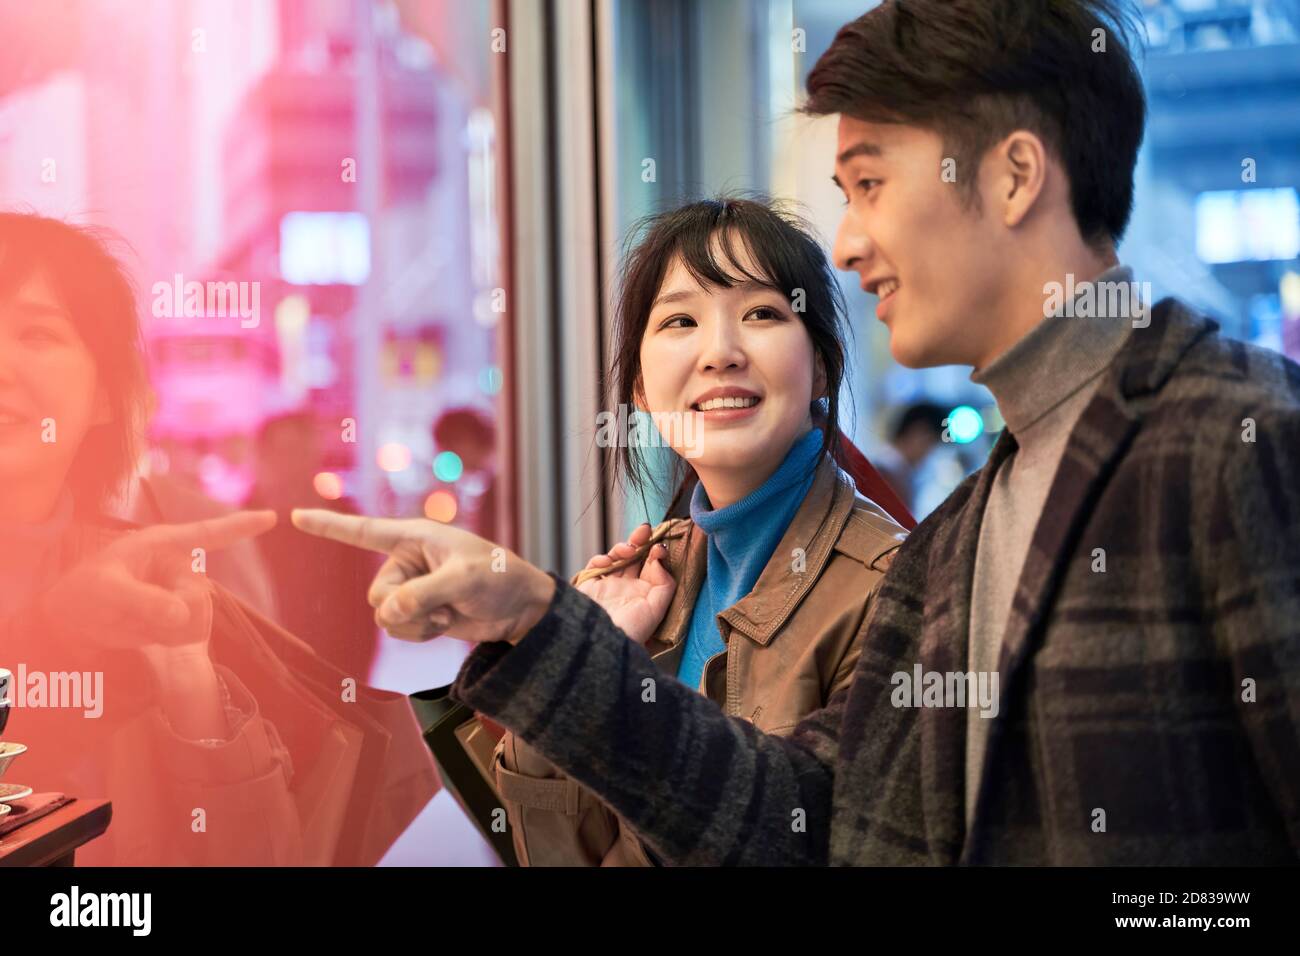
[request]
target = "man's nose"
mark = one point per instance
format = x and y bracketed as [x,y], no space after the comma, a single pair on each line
[852,247]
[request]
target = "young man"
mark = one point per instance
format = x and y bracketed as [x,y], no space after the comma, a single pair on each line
[1088,654]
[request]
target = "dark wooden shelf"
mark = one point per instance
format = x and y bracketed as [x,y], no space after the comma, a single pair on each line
[53,839]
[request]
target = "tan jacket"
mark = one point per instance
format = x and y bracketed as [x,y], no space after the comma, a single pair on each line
[792,642]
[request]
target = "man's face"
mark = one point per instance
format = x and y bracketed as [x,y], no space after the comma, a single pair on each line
[906,233]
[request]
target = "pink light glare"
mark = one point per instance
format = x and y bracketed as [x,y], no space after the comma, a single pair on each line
[328,485]
[393,456]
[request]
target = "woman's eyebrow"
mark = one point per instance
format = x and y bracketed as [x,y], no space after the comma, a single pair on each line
[746,287]
[37,310]
[677,296]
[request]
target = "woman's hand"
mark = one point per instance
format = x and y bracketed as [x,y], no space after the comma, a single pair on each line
[636,597]
[148,587]
[148,592]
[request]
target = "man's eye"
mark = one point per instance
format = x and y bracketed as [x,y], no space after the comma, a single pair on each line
[862,186]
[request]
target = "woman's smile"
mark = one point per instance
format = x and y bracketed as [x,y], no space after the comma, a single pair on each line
[727,404]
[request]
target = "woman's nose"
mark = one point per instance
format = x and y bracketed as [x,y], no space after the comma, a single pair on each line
[722,348]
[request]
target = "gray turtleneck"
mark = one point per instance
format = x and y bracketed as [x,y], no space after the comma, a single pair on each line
[1041,384]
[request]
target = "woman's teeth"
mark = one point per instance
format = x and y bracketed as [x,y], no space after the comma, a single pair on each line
[887,288]
[713,403]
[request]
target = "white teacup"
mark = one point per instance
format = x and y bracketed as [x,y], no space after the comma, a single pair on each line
[9,753]
[6,688]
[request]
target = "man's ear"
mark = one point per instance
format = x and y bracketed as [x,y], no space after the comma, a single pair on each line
[1020,175]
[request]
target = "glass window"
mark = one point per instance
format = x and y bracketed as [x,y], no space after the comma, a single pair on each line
[307,197]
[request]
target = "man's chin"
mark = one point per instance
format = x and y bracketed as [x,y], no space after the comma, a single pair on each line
[913,354]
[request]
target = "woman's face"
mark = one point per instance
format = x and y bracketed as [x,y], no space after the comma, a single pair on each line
[49,393]
[728,373]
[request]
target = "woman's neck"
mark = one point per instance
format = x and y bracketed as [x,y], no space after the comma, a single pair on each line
[726,487]
[28,501]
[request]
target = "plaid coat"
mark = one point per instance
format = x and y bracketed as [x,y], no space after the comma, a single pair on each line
[1149,678]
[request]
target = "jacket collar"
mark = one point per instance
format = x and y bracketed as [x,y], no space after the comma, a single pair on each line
[787,577]
[799,558]
[687,559]
[1099,438]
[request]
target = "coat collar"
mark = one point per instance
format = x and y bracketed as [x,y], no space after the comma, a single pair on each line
[1099,438]
[943,648]
[1097,442]
[799,558]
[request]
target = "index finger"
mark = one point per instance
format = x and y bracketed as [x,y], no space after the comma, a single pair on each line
[373,534]
[212,534]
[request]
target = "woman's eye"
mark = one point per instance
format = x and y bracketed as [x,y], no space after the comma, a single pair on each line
[764,312]
[39,333]
[672,323]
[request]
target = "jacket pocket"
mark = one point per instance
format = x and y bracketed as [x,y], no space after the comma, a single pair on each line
[554,820]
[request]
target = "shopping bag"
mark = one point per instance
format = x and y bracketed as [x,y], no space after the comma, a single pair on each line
[463,746]
[393,774]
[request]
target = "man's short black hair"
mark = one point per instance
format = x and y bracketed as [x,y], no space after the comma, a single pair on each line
[976,70]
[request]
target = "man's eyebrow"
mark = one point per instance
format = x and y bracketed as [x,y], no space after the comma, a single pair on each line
[858,149]
[853,152]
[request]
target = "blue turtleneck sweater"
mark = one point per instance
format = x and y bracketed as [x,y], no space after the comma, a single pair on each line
[742,537]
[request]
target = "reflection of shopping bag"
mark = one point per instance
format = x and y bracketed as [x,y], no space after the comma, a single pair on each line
[356,791]
[463,746]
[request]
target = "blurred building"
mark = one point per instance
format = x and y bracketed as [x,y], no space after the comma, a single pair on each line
[1217,219]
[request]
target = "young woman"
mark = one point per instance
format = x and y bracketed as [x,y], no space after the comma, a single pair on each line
[729,333]
[137,678]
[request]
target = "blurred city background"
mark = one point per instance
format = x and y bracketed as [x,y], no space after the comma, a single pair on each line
[418,207]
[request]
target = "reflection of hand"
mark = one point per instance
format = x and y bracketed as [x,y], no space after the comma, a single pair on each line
[440,579]
[635,597]
[142,589]
[188,688]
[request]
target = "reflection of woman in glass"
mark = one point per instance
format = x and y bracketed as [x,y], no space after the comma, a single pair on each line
[730,333]
[196,771]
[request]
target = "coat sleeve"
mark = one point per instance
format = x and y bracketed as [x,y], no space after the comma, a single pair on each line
[1253,526]
[233,795]
[699,787]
